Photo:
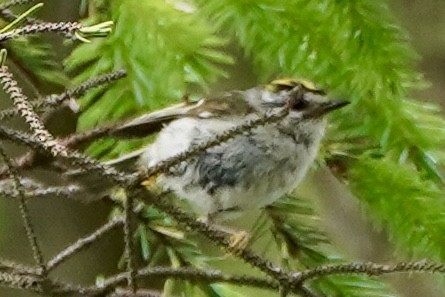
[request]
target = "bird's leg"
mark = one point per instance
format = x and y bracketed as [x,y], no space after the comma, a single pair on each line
[238,239]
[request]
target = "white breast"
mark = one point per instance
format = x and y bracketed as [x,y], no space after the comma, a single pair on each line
[269,170]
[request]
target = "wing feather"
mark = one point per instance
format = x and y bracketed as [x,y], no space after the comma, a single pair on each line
[226,105]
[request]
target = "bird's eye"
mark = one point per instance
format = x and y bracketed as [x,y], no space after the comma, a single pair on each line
[299,104]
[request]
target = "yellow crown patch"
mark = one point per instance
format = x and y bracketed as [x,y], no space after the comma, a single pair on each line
[287,83]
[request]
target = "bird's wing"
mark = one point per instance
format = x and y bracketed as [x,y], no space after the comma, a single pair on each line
[228,104]
[151,122]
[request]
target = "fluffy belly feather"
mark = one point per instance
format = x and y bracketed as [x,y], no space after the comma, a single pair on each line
[248,172]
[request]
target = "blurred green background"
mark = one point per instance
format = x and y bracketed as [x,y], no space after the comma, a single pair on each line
[60,222]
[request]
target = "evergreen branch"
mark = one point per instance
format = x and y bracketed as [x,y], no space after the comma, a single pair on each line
[21,18]
[26,111]
[81,138]
[81,89]
[77,139]
[30,233]
[19,65]
[76,159]
[138,293]
[128,240]
[17,281]
[369,268]
[9,16]
[12,267]
[68,29]
[33,191]
[216,236]
[302,244]
[21,138]
[159,74]
[12,3]
[35,283]
[191,274]
[83,243]
[54,100]
[98,30]
[401,199]
[43,139]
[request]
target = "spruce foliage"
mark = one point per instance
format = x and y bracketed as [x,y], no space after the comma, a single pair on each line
[387,144]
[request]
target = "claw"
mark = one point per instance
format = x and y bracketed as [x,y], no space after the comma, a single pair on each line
[238,242]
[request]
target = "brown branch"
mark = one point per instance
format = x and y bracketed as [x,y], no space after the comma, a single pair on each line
[54,100]
[369,268]
[42,139]
[12,267]
[128,240]
[27,112]
[66,28]
[33,192]
[13,3]
[30,234]
[216,236]
[83,243]
[190,274]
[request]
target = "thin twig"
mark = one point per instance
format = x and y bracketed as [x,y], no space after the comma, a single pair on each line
[128,240]
[83,243]
[13,3]
[21,18]
[54,100]
[306,292]
[36,283]
[39,192]
[367,268]
[191,274]
[17,281]
[217,236]
[33,189]
[82,138]
[181,216]
[76,159]
[9,16]
[132,293]
[42,139]
[8,266]
[30,234]
[66,28]
[26,111]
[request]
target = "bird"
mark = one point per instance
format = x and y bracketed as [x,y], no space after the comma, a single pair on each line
[250,170]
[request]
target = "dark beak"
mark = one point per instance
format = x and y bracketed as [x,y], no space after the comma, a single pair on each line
[325,107]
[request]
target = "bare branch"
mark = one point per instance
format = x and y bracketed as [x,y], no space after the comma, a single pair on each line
[191,274]
[68,29]
[30,234]
[128,239]
[26,111]
[13,3]
[367,268]
[83,243]
[9,266]
[54,100]
[217,236]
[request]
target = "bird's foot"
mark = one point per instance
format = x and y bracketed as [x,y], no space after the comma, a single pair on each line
[238,242]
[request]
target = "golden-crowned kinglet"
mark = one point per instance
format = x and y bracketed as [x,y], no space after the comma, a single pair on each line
[251,170]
